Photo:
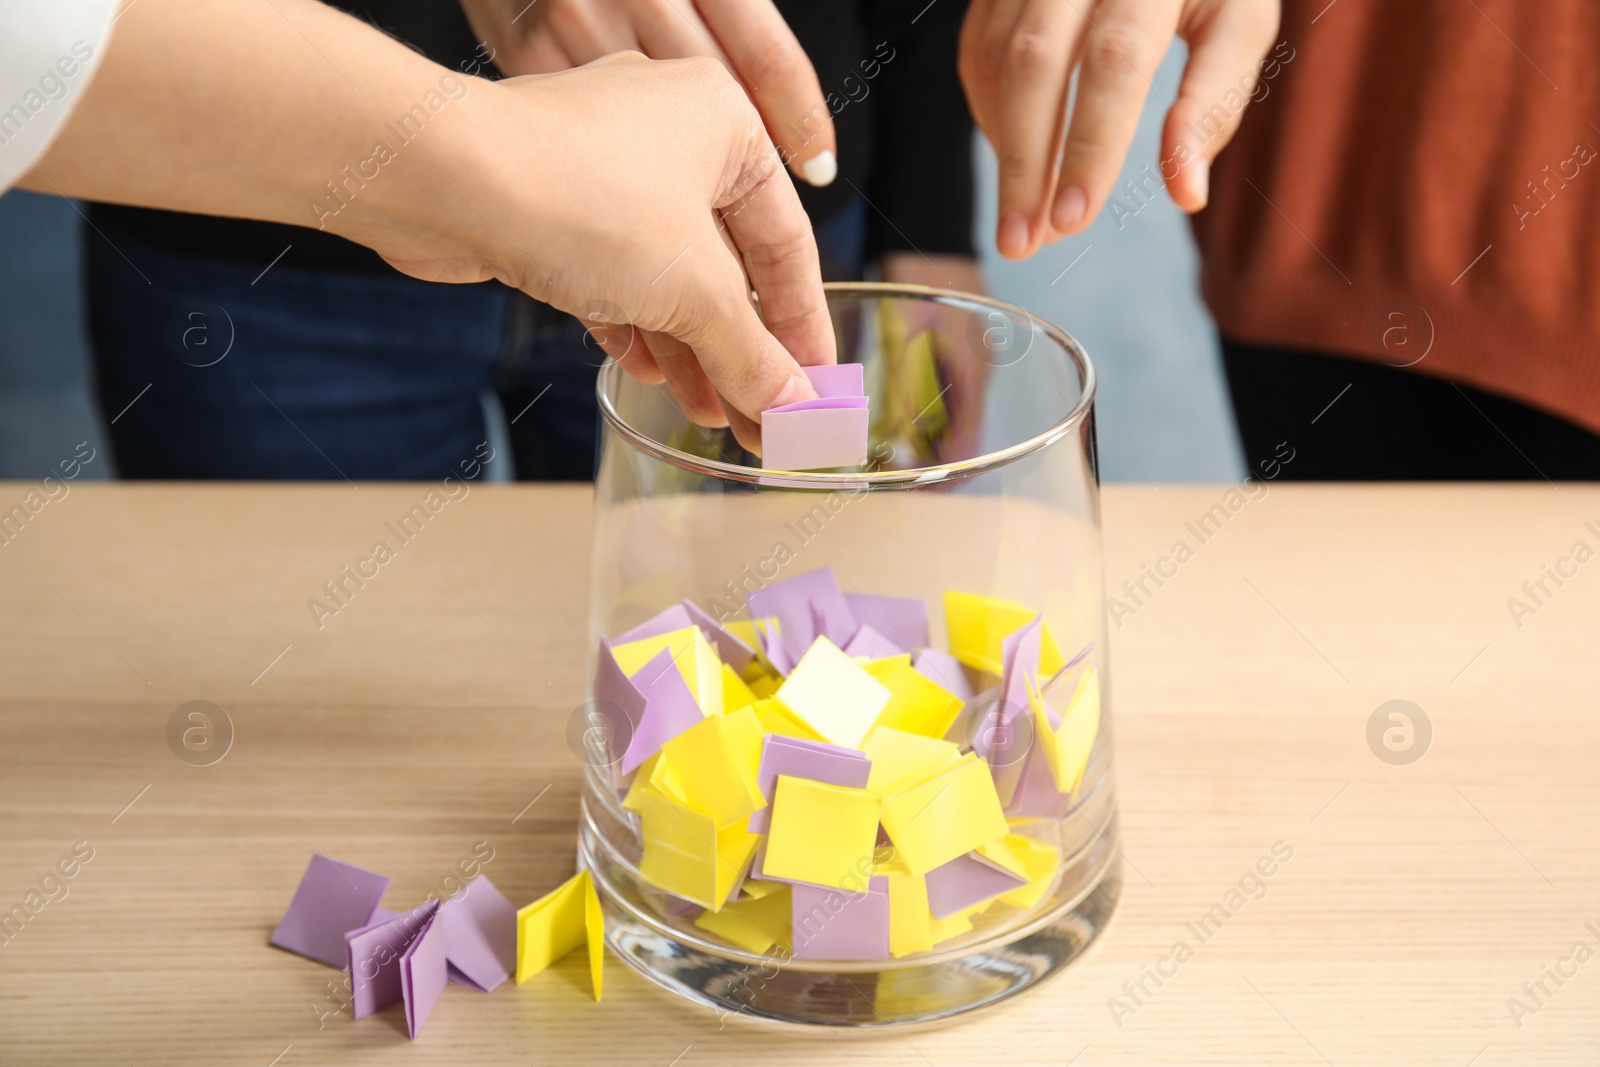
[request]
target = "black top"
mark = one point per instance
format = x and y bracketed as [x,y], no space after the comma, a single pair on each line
[888,71]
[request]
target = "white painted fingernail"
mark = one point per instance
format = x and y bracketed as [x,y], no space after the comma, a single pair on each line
[820,169]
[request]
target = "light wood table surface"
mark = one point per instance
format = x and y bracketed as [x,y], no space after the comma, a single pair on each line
[429,715]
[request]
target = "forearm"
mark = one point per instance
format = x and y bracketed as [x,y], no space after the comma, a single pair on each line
[285,110]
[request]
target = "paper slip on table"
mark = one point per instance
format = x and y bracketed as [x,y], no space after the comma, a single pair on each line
[1415,913]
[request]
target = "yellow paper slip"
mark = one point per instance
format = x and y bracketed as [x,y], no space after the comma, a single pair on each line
[556,924]
[949,815]
[917,704]
[692,654]
[830,693]
[910,921]
[1068,746]
[755,925]
[776,719]
[735,693]
[711,766]
[882,668]
[1038,862]
[900,760]
[820,833]
[685,853]
[752,634]
[977,626]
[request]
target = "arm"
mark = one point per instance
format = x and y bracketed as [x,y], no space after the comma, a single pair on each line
[289,111]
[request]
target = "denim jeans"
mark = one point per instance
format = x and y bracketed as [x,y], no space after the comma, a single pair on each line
[208,368]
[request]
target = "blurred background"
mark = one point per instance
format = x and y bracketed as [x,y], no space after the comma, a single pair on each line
[1126,288]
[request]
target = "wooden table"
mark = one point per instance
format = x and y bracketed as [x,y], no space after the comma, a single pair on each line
[428,714]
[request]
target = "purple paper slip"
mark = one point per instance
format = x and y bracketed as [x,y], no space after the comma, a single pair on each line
[902,619]
[423,974]
[732,651]
[480,935]
[331,899]
[944,670]
[612,684]
[822,403]
[674,618]
[1036,795]
[1005,739]
[813,439]
[830,924]
[373,957]
[1020,654]
[838,379]
[871,644]
[777,654]
[965,881]
[798,758]
[669,710]
[806,606]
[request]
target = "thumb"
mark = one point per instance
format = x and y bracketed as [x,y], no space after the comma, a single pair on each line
[749,368]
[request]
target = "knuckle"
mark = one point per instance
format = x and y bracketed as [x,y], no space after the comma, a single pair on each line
[799,250]
[1109,53]
[771,61]
[1027,53]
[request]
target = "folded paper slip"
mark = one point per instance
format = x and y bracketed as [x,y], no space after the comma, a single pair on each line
[978,876]
[830,431]
[948,815]
[424,973]
[669,709]
[374,954]
[813,439]
[331,899]
[978,625]
[755,925]
[557,924]
[833,695]
[838,379]
[803,608]
[831,924]
[480,935]
[901,619]
[821,834]
[798,758]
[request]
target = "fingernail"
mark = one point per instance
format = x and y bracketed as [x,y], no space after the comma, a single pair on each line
[1070,205]
[1202,182]
[820,169]
[1013,236]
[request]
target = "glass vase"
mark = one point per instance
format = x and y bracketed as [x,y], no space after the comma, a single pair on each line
[979,501]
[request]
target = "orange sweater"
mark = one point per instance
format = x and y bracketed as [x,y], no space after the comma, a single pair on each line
[1420,184]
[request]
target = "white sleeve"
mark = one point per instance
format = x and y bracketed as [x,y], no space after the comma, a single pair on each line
[49,50]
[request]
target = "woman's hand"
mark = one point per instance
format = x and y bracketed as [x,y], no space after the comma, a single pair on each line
[1016,62]
[748,37]
[634,192]
[642,196]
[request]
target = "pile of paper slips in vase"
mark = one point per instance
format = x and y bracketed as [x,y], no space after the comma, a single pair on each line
[817,780]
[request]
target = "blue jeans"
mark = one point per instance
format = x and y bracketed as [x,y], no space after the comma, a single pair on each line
[211,369]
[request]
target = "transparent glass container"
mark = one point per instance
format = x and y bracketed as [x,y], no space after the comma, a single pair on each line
[981,479]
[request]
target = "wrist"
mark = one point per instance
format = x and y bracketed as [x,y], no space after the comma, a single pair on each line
[423,194]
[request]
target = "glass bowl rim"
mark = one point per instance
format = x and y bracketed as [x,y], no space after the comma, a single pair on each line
[914,476]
